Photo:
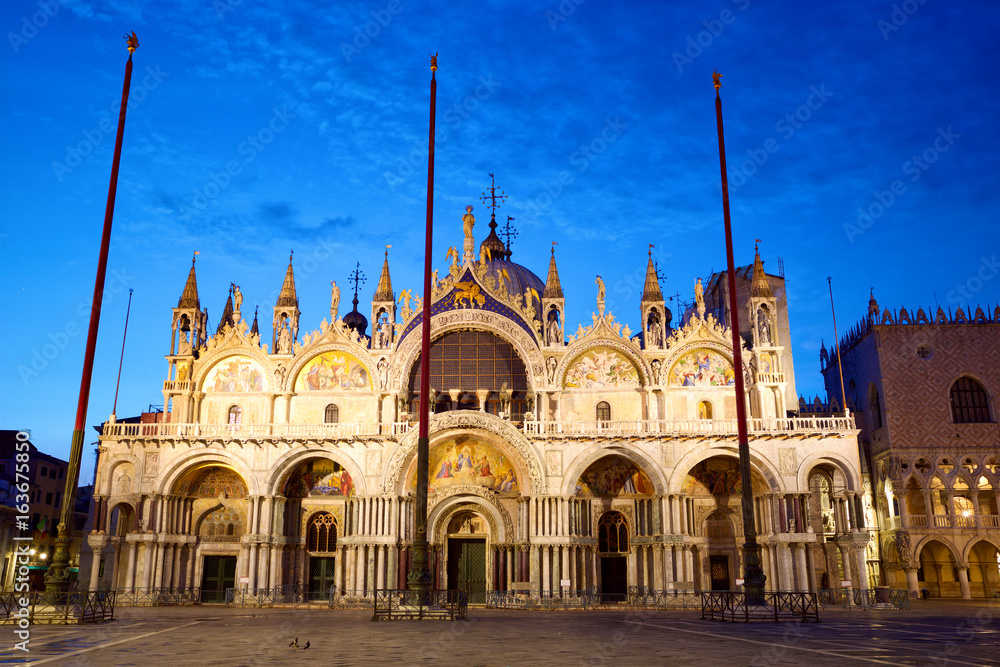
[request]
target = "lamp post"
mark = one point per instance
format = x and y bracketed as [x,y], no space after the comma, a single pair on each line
[753,573]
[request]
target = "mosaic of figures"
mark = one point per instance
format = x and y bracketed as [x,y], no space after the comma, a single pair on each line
[332,371]
[702,368]
[237,373]
[464,461]
[318,477]
[601,367]
[719,476]
[613,476]
[211,482]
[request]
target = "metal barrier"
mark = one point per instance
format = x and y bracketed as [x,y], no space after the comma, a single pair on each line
[637,598]
[77,607]
[156,597]
[356,599]
[413,605]
[873,598]
[777,606]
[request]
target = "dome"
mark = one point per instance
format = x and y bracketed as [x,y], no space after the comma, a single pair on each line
[517,279]
[355,320]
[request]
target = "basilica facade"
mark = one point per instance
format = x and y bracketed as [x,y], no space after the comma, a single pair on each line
[560,459]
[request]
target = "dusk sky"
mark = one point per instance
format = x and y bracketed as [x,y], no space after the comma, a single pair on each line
[597,119]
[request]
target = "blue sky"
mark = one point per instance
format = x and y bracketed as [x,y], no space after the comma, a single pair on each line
[597,119]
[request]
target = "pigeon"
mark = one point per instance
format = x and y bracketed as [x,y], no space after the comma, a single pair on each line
[295,643]
[306,646]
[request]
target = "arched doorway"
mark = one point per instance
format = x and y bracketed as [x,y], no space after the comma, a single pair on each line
[984,570]
[612,549]
[722,560]
[467,533]
[321,547]
[216,497]
[122,522]
[938,573]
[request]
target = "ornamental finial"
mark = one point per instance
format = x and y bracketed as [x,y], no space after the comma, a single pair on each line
[434,62]
[716,79]
[132,42]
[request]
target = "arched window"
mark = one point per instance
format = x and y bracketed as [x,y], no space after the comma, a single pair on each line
[876,408]
[603,411]
[612,533]
[322,534]
[332,414]
[704,410]
[969,403]
[235,414]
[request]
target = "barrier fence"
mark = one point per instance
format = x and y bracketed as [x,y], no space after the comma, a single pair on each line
[397,604]
[636,598]
[873,598]
[75,607]
[777,606]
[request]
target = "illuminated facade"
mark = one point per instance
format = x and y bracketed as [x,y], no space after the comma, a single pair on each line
[559,459]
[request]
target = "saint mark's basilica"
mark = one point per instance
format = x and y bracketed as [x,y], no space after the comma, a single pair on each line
[560,459]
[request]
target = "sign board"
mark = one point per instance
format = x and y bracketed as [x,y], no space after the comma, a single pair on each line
[244,580]
[845,583]
[739,582]
[564,583]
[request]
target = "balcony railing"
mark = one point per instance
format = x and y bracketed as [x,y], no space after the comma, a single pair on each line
[771,378]
[708,427]
[252,431]
[942,521]
[642,427]
[990,520]
[917,520]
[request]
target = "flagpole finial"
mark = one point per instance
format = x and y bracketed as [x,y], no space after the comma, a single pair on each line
[132,42]
[434,62]
[717,79]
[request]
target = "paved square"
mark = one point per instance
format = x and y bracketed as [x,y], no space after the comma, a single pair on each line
[931,633]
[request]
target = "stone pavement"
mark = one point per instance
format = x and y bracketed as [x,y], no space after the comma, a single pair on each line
[930,633]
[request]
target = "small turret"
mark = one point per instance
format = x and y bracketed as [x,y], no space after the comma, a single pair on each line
[653,308]
[553,304]
[285,325]
[384,309]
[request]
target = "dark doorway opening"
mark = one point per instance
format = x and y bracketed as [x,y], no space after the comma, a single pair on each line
[719,568]
[218,573]
[614,579]
[322,571]
[467,568]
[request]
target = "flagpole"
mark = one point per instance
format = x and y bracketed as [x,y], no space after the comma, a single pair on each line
[57,576]
[121,359]
[753,573]
[836,340]
[420,577]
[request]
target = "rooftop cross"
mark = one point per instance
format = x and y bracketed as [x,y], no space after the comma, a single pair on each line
[357,277]
[508,232]
[493,196]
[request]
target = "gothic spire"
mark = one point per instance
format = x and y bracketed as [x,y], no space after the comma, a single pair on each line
[651,291]
[254,331]
[189,297]
[287,297]
[553,290]
[759,286]
[384,290]
[227,314]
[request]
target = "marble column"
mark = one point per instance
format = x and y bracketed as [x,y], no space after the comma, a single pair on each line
[912,583]
[963,580]
[800,564]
